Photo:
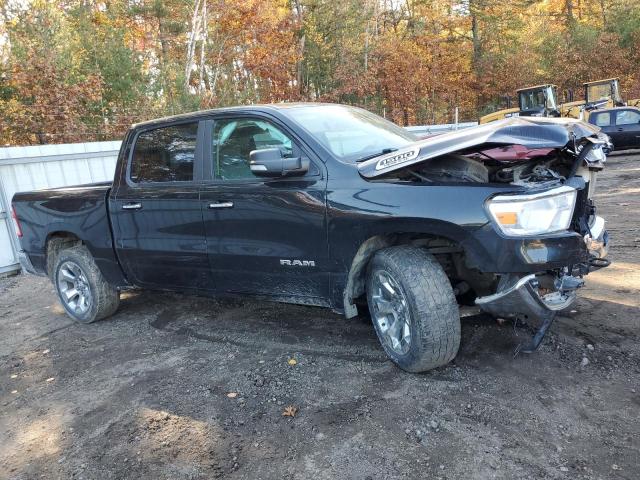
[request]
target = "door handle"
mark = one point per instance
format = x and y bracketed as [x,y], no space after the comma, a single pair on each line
[221,205]
[621,129]
[132,206]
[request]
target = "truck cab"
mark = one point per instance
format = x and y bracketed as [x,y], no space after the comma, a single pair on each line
[536,101]
[539,101]
[597,94]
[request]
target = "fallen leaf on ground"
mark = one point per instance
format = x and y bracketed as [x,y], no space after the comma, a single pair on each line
[44,352]
[50,379]
[292,361]
[290,411]
[232,394]
[14,376]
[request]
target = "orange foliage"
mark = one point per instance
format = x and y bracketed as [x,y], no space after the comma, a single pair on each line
[73,70]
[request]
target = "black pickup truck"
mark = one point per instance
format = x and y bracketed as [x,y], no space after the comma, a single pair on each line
[333,206]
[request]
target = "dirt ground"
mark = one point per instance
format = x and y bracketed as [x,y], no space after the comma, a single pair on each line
[191,388]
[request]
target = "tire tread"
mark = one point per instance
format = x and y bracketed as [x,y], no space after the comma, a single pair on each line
[106,296]
[433,307]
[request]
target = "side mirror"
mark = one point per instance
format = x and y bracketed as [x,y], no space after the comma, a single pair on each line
[270,162]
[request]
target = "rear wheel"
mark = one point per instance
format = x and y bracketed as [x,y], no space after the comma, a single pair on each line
[413,308]
[81,288]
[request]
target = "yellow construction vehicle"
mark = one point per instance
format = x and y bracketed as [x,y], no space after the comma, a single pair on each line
[598,94]
[542,101]
[536,101]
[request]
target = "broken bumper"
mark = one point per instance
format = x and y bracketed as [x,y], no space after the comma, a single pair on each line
[597,241]
[521,299]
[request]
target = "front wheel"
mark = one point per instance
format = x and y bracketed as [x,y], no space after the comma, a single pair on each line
[413,308]
[83,292]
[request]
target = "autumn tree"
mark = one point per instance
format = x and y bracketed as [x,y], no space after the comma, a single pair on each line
[81,70]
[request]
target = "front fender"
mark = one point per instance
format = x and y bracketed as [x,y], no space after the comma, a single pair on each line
[454,212]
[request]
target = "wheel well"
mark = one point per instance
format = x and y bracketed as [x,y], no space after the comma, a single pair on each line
[56,242]
[447,252]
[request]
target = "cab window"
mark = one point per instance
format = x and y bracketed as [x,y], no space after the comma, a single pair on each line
[602,119]
[234,139]
[627,117]
[164,154]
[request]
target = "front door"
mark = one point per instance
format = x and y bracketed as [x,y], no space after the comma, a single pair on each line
[264,236]
[628,128]
[157,219]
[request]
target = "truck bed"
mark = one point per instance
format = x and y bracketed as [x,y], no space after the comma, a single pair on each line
[79,210]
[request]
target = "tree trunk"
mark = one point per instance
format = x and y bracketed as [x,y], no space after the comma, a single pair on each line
[568,5]
[205,34]
[191,44]
[474,7]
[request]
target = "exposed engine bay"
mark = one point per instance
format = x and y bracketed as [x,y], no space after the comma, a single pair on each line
[533,155]
[515,151]
[513,164]
[481,167]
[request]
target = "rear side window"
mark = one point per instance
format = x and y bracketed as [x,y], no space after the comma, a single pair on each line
[165,154]
[627,117]
[601,119]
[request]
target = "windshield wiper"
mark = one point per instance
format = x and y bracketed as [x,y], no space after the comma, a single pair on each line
[373,155]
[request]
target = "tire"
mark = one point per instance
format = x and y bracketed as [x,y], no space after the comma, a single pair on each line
[426,299]
[76,270]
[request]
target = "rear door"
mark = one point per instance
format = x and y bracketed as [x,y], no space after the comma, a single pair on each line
[155,210]
[627,128]
[264,236]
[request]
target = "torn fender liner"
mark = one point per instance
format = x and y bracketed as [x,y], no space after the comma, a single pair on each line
[531,132]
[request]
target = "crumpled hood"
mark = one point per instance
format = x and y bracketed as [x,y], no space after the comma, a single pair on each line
[531,132]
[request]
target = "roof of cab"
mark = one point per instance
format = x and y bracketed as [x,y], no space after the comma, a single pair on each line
[535,87]
[604,80]
[240,108]
[613,109]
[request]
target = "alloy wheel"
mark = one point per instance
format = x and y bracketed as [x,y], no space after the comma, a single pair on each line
[74,288]
[391,312]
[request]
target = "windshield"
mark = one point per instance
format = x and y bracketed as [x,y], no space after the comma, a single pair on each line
[350,133]
[532,100]
[551,98]
[615,91]
[598,92]
[601,92]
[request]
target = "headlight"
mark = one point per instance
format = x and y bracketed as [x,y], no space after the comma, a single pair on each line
[522,215]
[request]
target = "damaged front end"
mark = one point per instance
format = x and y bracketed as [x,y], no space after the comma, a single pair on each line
[551,165]
[537,298]
[525,298]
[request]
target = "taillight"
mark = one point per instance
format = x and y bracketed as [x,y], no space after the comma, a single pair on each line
[16,222]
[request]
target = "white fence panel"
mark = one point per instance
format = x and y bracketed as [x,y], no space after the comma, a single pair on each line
[7,256]
[47,166]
